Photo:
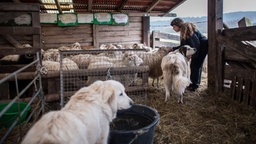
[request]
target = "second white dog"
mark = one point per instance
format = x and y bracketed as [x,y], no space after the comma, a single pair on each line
[175,71]
[85,118]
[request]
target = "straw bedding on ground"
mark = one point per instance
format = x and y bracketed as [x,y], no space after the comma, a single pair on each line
[202,119]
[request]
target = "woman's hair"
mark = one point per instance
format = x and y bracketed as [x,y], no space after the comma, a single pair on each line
[187,30]
[177,21]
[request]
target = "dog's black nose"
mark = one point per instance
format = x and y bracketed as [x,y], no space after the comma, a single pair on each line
[131,102]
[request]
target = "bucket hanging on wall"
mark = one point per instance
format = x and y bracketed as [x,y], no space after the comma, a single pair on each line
[134,126]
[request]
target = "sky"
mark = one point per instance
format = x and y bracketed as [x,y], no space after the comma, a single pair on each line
[197,8]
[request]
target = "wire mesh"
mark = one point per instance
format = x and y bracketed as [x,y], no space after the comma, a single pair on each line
[79,68]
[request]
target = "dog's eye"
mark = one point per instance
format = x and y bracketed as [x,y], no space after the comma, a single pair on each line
[121,94]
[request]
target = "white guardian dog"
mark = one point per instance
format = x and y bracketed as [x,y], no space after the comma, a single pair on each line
[85,119]
[175,69]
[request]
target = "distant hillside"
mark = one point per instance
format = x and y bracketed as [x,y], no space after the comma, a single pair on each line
[231,19]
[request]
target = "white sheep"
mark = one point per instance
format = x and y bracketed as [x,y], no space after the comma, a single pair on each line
[51,55]
[141,46]
[82,60]
[16,59]
[68,64]
[153,60]
[74,46]
[51,65]
[128,60]
[110,47]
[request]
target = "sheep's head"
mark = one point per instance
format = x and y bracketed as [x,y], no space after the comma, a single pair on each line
[164,50]
[132,60]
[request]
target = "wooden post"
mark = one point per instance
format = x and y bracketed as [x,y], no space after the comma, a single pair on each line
[215,63]
[146,30]
[95,36]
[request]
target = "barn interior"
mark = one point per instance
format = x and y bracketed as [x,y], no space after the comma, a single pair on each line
[37,37]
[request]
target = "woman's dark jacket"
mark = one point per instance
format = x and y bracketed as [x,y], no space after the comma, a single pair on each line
[197,40]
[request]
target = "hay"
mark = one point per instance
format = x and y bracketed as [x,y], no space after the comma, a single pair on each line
[202,118]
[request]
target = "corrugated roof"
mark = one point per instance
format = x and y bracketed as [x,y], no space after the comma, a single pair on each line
[156,7]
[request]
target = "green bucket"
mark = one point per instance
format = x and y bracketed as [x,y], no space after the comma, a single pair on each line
[12,113]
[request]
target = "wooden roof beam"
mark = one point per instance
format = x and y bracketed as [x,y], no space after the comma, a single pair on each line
[121,6]
[90,5]
[175,5]
[58,6]
[152,5]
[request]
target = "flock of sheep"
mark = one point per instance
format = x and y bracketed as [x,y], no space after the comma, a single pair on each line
[108,56]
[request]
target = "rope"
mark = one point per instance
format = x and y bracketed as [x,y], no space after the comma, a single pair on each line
[109,76]
[141,132]
[42,70]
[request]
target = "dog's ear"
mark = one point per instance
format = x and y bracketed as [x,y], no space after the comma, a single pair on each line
[109,100]
[183,50]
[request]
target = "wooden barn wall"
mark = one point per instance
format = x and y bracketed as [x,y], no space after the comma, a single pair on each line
[130,33]
[54,36]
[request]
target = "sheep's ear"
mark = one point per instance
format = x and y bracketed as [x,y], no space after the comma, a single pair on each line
[138,61]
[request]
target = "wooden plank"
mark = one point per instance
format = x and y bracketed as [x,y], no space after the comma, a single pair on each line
[165,36]
[215,23]
[247,74]
[102,71]
[177,4]
[121,5]
[20,31]
[13,41]
[146,30]
[53,85]
[253,94]
[19,7]
[244,50]
[233,88]
[154,13]
[239,94]
[163,44]
[131,26]
[120,39]
[242,33]
[47,32]
[46,46]
[36,23]
[231,55]
[135,19]
[153,5]
[10,16]
[58,6]
[67,39]
[4,91]
[54,30]
[71,37]
[96,36]
[28,74]
[11,51]
[247,86]
[123,42]
[90,5]
[119,33]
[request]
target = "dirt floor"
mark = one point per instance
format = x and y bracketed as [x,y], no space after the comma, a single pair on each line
[202,119]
